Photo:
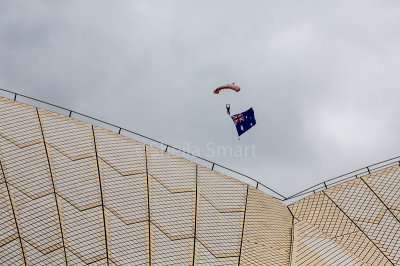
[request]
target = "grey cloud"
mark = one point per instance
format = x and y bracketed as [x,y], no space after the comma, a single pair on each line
[321,76]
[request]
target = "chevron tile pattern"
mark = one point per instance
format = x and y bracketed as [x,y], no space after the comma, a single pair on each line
[72,193]
[76,194]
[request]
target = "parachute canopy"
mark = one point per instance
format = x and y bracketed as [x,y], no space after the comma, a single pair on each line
[227,86]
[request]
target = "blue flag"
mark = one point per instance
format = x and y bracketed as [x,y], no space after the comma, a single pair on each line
[244,121]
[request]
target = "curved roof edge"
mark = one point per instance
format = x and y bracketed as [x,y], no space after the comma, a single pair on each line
[344,178]
[152,142]
[301,194]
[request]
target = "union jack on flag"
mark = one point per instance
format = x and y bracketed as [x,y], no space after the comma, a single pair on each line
[238,118]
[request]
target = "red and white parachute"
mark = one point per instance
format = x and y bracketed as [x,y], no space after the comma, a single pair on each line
[227,86]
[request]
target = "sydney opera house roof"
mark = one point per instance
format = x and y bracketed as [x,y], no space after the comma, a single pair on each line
[73,193]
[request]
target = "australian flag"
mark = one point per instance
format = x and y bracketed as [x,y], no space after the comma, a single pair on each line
[244,121]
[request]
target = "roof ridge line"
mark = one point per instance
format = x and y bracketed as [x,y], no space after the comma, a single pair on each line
[277,196]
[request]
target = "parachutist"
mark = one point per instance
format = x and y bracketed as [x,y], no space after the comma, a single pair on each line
[228,109]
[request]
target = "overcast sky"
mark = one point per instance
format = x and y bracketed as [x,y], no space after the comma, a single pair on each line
[322,76]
